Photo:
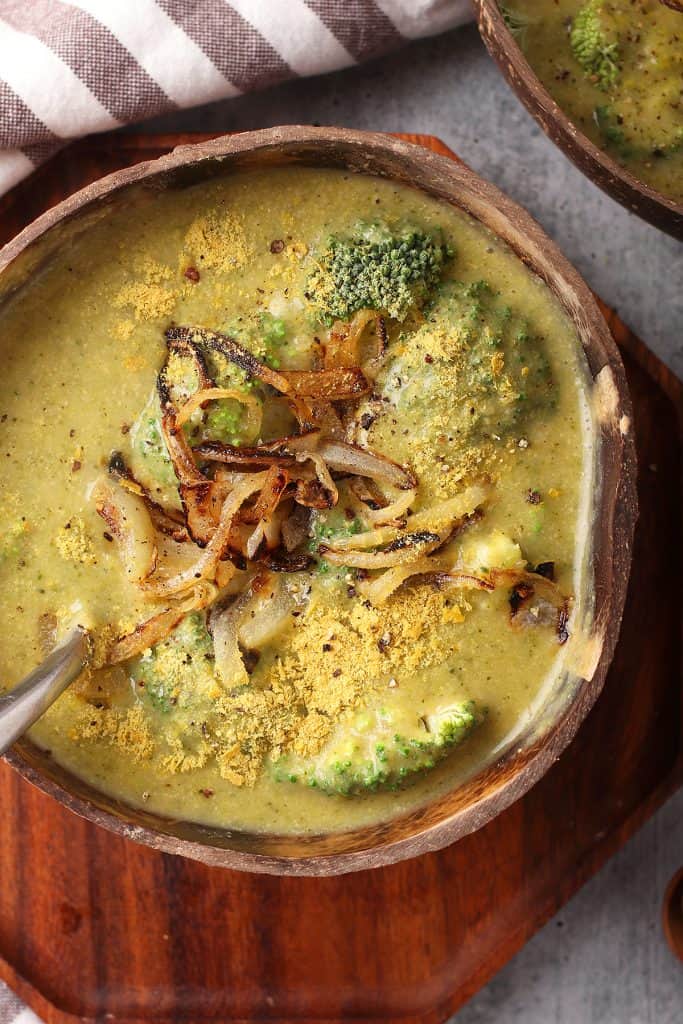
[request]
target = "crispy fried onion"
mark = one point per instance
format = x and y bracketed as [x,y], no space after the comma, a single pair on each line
[159,626]
[202,397]
[255,618]
[169,521]
[330,385]
[441,518]
[204,567]
[129,525]
[534,598]
[245,509]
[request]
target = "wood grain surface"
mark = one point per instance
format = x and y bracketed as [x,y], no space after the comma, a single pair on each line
[93,926]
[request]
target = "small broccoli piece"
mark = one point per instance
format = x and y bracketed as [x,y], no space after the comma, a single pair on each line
[635,137]
[12,536]
[325,528]
[516,22]
[149,457]
[273,331]
[223,422]
[368,752]
[376,270]
[594,44]
[179,669]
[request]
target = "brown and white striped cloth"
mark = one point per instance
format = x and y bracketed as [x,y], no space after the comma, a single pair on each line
[71,67]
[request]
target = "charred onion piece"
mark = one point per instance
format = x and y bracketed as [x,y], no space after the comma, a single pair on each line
[462,580]
[405,549]
[380,513]
[451,513]
[206,564]
[205,395]
[186,347]
[327,385]
[158,627]
[169,521]
[282,452]
[295,528]
[281,561]
[200,499]
[343,457]
[373,365]
[232,351]
[342,346]
[341,383]
[380,589]
[266,505]
[312,415]
[323,476]
[312,494]
[129,523]
[525,585]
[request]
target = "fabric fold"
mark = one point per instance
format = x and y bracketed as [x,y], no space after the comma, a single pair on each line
[71,67]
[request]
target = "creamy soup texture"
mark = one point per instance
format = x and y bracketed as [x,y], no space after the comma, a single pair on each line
[310,453]
[616,68]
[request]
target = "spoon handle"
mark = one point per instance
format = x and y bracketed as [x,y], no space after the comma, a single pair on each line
[24,704]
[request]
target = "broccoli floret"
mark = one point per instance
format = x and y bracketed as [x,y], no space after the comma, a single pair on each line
[594,44]
[179,669]
[381,750]
[375,270]
[477,367]
[613,42]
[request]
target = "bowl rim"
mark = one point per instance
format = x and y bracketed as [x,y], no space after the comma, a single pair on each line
[496,786]
[599,167]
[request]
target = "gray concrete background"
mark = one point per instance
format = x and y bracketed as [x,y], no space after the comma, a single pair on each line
[603,960]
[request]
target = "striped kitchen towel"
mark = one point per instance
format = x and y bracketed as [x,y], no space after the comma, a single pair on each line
[71,67]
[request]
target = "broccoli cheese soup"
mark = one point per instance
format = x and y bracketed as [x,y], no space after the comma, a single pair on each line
[616,68]
[310,454]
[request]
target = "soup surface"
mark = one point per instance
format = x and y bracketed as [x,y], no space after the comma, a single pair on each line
[309,452]
[616,69]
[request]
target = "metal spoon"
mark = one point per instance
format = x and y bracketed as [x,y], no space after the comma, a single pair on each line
[24,705]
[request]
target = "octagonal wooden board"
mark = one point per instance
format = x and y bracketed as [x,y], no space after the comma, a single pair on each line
[93,927]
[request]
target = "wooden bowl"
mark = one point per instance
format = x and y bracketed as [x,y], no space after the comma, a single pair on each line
[653,206]
[471,805]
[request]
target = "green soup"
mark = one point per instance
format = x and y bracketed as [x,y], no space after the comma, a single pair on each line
[311,455]
[615,67]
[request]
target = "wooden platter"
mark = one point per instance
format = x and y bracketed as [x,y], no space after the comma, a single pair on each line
[94,927]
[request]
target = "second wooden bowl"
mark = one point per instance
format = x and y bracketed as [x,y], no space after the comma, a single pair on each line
[646,202]
[471,805]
